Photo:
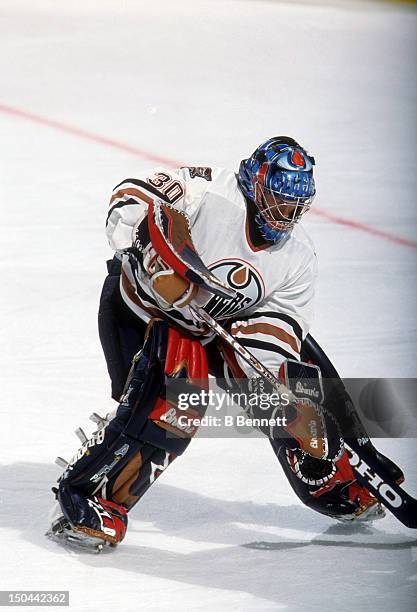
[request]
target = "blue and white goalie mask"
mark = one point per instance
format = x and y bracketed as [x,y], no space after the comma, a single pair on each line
[278,178]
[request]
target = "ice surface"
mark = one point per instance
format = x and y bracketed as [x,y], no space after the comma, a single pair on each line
[201,83]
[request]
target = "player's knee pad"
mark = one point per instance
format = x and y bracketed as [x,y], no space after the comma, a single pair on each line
[122,459]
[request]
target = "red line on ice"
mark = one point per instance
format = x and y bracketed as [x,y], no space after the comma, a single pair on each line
[364,228]
[80,133]
[74,131]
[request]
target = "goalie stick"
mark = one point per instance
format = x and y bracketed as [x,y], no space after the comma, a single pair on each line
[365,464]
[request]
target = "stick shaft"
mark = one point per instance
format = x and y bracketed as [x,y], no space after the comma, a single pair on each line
[238,348]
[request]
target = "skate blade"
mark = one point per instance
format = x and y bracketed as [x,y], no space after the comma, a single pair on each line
[372,513]
[369,514]
[62,533]
[75,543]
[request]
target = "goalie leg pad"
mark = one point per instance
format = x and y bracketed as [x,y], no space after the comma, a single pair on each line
[338,402]
[124,458]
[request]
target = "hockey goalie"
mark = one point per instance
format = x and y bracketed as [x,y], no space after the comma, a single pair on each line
[230,244]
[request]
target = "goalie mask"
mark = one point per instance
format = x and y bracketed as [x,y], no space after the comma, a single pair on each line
[278,178]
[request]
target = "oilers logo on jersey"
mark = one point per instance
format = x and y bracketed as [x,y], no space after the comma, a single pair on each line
[244,279]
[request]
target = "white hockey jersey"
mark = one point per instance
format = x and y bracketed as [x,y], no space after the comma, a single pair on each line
[273,310]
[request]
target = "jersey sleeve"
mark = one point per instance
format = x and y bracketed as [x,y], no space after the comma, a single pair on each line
[275,331]
[130,200]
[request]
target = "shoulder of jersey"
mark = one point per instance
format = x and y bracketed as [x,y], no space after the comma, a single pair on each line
[203,182]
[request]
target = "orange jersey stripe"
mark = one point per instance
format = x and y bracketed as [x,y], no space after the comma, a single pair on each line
[132,192]
[270,330]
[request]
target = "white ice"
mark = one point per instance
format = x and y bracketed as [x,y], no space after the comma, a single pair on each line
[202,83]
